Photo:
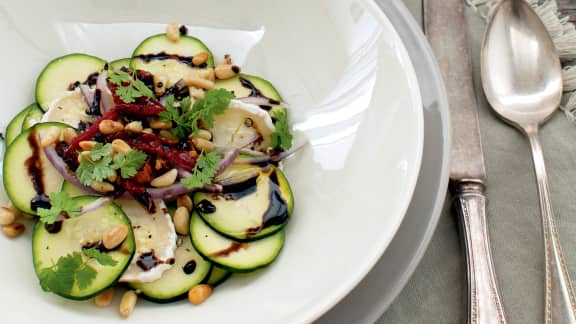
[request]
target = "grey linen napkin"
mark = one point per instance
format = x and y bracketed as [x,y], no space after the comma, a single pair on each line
[437,291]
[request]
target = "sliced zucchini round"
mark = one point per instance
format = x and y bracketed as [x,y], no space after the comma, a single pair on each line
[33,117]
[246,85]
[72,190]
[117,65]
[233,255]
[75,236]
[189,269]
[29,177]
[249,210]
[218,276]
[14,128]
[57,77]
[167,59]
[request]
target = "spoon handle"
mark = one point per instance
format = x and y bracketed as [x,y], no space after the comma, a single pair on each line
[560,303]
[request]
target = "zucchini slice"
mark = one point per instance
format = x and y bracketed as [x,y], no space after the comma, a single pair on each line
[60,74]
[189,269]
[170,60]
[246,85]
[51,242]
[14,128]
[254,208]
[233,255]
[29,177]
[116,65]
[218,276]
[33,117]
[72,190]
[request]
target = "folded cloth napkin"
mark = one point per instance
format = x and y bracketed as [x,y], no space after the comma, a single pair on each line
[563,32]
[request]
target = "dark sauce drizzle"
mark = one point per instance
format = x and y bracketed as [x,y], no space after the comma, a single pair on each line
[277,212]
[94,109]
[235,246]
[240,190]
[165,56]
[206,207]
[34,166]
[90,81]
[255,92]
[189,267]
[148,260]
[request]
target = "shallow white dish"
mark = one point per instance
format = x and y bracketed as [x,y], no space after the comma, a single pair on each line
[353,94]
[376,292]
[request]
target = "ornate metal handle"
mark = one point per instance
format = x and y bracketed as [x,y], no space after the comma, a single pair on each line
[484,301]
[560,306]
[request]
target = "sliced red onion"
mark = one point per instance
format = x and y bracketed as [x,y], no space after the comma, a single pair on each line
[259,101]
[98,203]
[272,158]
[63,169]
[106,99]
[178,189]
[88,94]
[227,160]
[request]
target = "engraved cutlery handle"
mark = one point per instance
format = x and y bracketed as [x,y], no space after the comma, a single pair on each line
[484,301]
[560,305]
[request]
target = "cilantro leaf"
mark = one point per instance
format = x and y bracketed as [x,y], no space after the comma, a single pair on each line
[59,278]
[100,150]
[128,88]
[85,275]
[204,170]
[281,137]
[99,170]
[60,203]
[186,119]
[130,163]
[102,258]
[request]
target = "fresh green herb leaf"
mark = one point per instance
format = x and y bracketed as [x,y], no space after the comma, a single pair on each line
[60,277]
[204,170]
[89,170]
[85,274]
[281,137]
[60,203]
[98,165]
[130,163]
[102,258]
[128,87]
[186,120]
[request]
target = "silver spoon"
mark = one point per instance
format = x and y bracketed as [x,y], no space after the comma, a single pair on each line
[522,79]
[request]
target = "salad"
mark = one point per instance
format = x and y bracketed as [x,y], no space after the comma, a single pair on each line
[158,173]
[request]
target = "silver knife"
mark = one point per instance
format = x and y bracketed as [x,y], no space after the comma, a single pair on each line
[446,30]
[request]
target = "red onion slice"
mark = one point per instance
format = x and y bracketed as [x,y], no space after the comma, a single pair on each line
[88,94]
[106,99]
[259,101]
[272,158]
[63,169]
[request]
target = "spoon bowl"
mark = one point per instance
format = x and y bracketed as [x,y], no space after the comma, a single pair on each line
[522,80]
[521,71]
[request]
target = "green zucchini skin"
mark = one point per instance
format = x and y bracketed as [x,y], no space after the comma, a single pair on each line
[17,181]
[175,283]
[48,247]
[33,117]
[253,255]
[218,276]
[231,218]
[54,80]
[118,64]
[14,128]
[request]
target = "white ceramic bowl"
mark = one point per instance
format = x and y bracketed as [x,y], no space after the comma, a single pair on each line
[353,95]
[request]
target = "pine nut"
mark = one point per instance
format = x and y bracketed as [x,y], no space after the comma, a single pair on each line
[167,134]
[226,71]
[202,144]
[109,126]
[207,74]
[200,58]
[13,230]
[198,294]
[50,136]
[120,146]
[205,134]
[102,186]
[193,154]
[148,131]
[227,59]
[115,236]
[112,178]
[196,93]
[135,126]
[25,216]
[158,123]
[104,299]
[85,155]
[160,85]
[173,32]
[184,201]
[182,221]
[7,216]
[165,180]
[127,303]
[69,135]
[199,82]
[87,145]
